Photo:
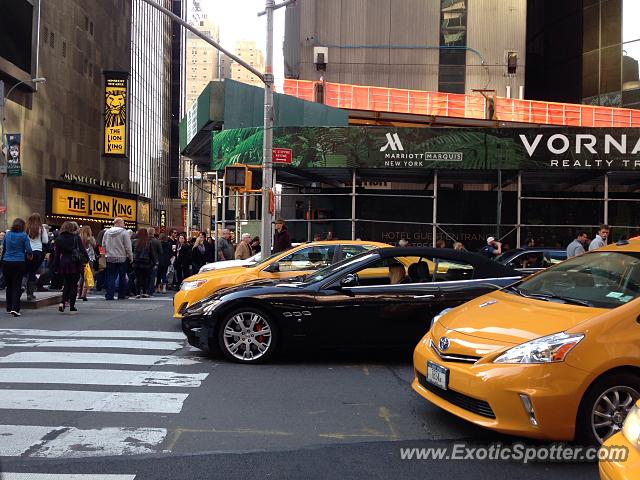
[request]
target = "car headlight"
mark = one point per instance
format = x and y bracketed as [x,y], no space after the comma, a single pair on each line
[631,426]
[207,268]
[192,285]
[549,349]
[435,319]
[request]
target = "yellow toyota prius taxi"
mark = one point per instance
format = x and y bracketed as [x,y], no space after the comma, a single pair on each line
[555,356]
[627,468]
[297,261]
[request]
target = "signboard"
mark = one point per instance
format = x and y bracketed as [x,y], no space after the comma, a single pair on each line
[115,113]
[282,155]
[144,212]
[14,151]
[163,220]
[563,148]
[88,205]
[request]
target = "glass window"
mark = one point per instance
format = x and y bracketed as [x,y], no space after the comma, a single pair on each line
[349,251]
[630,71]
[611,22]
[611,69]
[591,26]
[448,271]
[394,271]
[312,258]
[600,279]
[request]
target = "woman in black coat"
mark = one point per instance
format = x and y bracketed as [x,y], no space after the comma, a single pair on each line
[182,264]
[69,265]
[164,262]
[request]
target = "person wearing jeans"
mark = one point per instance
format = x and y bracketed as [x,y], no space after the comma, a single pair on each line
[117,246]
[17,249]
[38,238]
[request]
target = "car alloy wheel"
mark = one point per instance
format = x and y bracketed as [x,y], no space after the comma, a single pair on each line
[247,336]
[610,410]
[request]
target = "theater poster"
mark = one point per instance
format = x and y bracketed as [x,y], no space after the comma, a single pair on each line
[115,113]
[14,152]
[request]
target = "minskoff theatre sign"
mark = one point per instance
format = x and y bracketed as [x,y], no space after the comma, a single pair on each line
[437,148]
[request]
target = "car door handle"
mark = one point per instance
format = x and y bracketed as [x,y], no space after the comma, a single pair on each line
[424,296]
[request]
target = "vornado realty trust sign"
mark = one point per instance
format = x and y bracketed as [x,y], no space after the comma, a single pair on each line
[438,148]
[585,150]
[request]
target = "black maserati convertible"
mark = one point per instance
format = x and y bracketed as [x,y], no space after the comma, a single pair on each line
[382,298]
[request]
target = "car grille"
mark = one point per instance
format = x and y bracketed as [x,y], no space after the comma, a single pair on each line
[453,358]
[473,405]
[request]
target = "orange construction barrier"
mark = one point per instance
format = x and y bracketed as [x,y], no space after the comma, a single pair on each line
[397,100]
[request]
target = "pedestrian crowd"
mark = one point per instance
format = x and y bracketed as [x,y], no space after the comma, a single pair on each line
[122,263]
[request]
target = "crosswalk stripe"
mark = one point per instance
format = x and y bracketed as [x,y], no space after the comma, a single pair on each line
[80,343]
[80,401]
[96,358]
[143,334]
[63,476]
[71,442]
[86,376]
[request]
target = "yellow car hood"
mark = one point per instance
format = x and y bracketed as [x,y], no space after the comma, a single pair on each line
[223,272]
[506,318]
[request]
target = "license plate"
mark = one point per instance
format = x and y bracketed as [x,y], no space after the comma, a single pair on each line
[437,375]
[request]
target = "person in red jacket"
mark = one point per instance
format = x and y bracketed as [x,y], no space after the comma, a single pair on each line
[281,239]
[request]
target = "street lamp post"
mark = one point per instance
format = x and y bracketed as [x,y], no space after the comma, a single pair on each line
[267,79]
[3,147]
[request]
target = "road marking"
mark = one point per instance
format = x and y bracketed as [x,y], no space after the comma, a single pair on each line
[70,442]
[144,334]
[79,401]
[95,358]
[63,476]
[86,376]
[79,343]
[136,301]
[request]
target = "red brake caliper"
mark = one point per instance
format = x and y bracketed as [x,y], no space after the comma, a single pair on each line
[260,338]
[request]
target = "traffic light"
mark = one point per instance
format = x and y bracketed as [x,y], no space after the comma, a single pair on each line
[243,178]
[235,176]
[254,184]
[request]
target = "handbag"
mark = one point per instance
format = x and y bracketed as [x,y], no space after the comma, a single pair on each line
[88,277]
[79,253]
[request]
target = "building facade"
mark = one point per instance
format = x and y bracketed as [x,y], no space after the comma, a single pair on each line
[61,124]
[202,59]
[250,53]
[150,106]
[441,45]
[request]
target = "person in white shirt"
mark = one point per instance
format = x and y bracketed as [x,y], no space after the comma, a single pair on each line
[38,238]
[601,238]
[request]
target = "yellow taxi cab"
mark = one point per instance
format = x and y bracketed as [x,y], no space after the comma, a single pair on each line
[626,467]
[555,356]
[297,261]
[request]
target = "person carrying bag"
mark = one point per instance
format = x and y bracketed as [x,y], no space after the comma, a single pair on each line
[70,259]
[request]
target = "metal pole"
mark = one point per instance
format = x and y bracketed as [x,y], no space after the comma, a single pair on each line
[4,166]
[434,230]
[353,204]
[519,211]
[267,160]
[215,225]
[197,33]
[606,199]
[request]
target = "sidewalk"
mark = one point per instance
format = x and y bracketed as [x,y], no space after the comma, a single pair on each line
[43,299]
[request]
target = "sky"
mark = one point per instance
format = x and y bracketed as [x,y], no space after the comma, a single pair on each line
[238,20]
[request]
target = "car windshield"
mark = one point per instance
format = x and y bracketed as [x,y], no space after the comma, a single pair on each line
[264,262]
[320,275]
[599,279]
[506,256]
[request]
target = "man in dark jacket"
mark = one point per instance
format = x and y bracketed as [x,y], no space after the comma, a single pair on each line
[281,239]
[155,246]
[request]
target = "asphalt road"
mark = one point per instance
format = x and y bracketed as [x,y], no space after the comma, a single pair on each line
[89,394]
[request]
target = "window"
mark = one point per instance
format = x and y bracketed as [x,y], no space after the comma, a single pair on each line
[601,279]
[449,271]
[349,251]
[312,258]
[52,40]
[64,49]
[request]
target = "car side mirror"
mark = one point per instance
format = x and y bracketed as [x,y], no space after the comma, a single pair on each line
[273,268]
[349,280]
